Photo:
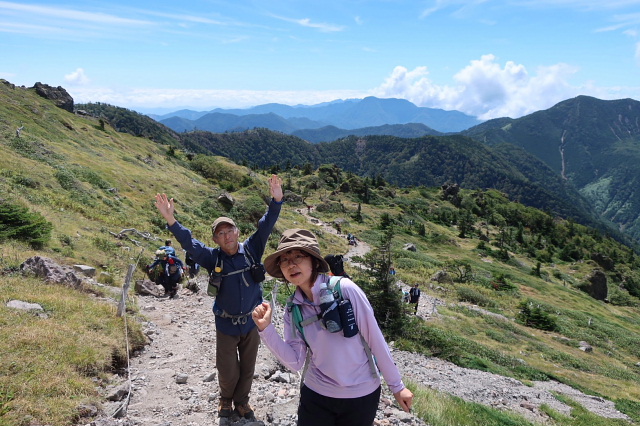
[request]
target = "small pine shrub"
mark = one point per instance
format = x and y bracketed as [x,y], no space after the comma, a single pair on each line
[18,223]
[533,315]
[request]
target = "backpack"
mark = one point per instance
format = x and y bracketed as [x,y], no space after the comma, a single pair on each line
[336,264]
[299,323]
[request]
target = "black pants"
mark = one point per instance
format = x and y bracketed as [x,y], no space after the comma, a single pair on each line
[170,283]
[319,410]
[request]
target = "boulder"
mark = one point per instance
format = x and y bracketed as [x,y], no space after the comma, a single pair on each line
[292,197]
[147,288]
[89,271]
[596,285]
[226,199]
[24,306]
[584,346]
[604,261]
[58,95]
[51,272]
[442,277]
[451,192]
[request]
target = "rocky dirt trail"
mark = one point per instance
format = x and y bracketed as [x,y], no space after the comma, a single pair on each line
[173,380]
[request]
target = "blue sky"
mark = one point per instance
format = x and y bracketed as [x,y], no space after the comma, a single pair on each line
[487,58]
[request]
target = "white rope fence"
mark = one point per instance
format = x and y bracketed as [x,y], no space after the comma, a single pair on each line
[121,411]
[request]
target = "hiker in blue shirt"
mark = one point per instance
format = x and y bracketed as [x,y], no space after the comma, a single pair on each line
[237,271]
[168,248]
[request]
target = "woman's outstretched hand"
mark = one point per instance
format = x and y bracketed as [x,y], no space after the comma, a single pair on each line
[262,315]
[405,399]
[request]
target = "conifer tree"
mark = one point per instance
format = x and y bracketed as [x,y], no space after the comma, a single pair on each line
[17,222]
[383,293]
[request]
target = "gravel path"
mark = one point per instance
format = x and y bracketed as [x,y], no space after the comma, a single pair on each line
[174,383]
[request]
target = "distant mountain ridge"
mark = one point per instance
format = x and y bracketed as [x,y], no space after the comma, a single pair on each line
[332,133]
[369,112]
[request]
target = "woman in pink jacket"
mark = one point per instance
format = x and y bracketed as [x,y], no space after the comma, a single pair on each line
[342,385]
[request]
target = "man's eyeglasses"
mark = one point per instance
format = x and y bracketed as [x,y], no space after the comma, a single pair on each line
[295,260]
[223,234]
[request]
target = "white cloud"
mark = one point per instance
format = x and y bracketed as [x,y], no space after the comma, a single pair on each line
[484,89]
[306,22]
[205,99]
[77,77]
[31,11]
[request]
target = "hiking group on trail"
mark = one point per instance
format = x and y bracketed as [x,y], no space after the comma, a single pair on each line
[338,390]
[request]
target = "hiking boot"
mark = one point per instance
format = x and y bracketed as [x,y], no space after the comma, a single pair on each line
[245,410]
[224,407]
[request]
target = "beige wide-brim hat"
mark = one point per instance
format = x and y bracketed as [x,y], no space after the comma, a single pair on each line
[295,239]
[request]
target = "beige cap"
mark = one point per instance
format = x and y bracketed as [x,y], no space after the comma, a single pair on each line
[220,221]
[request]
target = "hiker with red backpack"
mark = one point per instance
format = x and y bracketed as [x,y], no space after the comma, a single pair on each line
[342,383]
[171,272]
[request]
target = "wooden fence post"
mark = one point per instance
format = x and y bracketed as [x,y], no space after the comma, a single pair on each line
[125,290]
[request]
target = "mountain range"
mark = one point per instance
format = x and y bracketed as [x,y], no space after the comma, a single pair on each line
[592,144]
[327,120]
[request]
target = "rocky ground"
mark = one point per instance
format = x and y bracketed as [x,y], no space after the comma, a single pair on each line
[173,381]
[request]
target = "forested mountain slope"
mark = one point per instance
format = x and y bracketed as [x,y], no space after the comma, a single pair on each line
[590,143]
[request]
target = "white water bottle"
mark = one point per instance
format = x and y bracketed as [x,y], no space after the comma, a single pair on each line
[328,306]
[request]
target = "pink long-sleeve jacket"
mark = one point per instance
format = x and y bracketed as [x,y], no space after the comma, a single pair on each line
[339,366]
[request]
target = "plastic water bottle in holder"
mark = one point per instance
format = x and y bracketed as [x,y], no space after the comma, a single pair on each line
[328,305]
[214,282]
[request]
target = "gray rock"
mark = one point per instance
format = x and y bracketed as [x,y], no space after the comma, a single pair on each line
[88,271]
[25,306]
[210,377]
[51,271]
[58,95]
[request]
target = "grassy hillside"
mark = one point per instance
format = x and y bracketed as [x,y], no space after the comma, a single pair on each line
[508,265]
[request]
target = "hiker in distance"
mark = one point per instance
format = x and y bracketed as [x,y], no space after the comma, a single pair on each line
[236,273]
[170,274]
[168,248]
[414,297]
[342,385]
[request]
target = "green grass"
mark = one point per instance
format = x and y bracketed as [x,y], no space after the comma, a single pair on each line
[440,409]
[49,362]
